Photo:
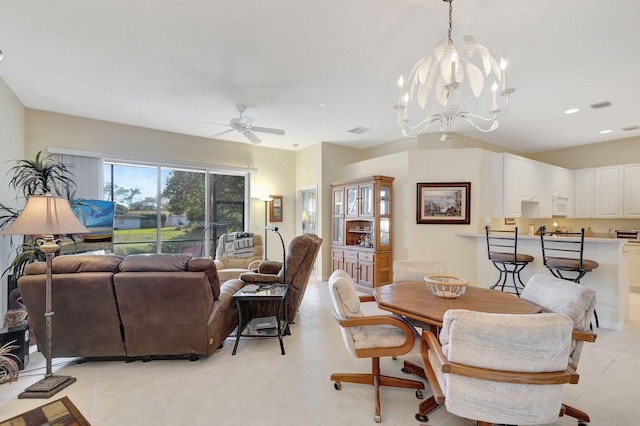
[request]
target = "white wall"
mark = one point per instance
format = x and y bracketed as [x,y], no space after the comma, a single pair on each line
[12,148]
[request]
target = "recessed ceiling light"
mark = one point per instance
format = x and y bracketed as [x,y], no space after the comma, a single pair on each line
[572,111]
[604,132]
[629,128]
[604,104]
[322,105]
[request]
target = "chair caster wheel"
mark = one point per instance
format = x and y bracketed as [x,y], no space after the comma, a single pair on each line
[580,423]
[419,394]
[395,358]
[405,371]
[377,418]
[422,419]
[337,385]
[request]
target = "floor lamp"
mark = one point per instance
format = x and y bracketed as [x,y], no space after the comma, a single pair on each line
[45,216]
[266,200]
[284,252]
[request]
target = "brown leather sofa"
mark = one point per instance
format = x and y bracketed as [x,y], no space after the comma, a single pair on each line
[138,306]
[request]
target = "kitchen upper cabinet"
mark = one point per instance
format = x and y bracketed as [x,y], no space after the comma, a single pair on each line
[511,186]
[523,187]
[560,181]
[608,192]
[632,191]
[583,193]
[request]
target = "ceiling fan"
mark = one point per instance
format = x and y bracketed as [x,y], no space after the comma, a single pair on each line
[244,125]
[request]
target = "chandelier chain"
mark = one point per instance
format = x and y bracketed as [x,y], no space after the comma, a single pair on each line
[450,21]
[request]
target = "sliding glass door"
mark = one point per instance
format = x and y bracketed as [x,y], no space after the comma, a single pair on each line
[161,209]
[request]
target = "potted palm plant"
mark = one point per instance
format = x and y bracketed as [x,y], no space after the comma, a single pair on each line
[44,175]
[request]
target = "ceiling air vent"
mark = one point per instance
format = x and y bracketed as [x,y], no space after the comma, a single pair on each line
[630,128]
[599,105]
[358,130]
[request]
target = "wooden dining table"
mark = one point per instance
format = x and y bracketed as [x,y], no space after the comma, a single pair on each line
[414,300]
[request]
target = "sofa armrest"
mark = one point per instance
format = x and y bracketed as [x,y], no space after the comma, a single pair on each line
[257,278]
[270,267]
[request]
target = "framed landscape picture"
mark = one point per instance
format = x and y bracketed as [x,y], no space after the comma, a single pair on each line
[444,203]
[275,213]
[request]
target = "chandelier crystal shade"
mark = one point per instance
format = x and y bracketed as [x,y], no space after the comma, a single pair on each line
[450,83]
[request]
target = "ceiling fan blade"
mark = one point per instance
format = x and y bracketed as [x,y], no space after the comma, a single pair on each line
[211,122]
[267,130]
[253,138]
[222,133]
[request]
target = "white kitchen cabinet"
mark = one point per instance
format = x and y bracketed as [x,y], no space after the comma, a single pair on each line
[632,191]
[504,192]
[608,192]
[583,193]
[560,181]
[544,177]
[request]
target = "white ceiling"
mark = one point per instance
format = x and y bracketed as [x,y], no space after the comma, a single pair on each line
[318,68]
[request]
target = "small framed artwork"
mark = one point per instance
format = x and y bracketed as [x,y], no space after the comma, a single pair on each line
[509,220]
[275,213]
[444,203]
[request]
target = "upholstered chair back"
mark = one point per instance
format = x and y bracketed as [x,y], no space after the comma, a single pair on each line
[521,343]
[415,270]
[239,250]
[346,304]
[563,297]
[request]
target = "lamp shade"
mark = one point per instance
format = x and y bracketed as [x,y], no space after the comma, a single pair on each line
[46,215]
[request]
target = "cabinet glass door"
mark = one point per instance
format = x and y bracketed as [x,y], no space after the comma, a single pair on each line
[338,207]
[385,200]
[338,231]
[385,231]
[366,192]
[352,201]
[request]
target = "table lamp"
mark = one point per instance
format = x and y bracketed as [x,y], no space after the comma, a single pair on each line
[45,216]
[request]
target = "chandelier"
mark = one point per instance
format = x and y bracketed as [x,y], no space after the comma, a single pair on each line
[452,80]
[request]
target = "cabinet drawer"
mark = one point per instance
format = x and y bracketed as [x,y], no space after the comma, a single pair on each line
[366,256]
[352,255]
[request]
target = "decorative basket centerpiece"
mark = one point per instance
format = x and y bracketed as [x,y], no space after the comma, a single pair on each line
[446,286]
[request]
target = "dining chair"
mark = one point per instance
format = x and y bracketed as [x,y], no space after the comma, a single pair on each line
[498,368]
[412,271]
[563,255]
[570,299]
[369,337]
[502,249]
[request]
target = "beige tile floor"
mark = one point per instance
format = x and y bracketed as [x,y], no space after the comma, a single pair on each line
[259,386]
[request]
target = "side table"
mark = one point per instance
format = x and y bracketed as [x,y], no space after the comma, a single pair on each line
[263,327]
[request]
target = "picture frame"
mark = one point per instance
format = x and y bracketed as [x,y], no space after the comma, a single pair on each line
[509,220]
[444,203]
[275,210]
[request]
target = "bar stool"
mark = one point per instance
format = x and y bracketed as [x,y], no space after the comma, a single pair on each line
[562,254]
[502,248]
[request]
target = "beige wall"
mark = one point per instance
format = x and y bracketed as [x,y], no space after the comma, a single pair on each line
[622,151]
[276,171]
[12,148]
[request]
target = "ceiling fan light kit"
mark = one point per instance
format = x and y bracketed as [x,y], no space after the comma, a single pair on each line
[441,82]
[244,125]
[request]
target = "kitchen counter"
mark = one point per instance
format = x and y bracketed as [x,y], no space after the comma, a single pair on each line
[610,280]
